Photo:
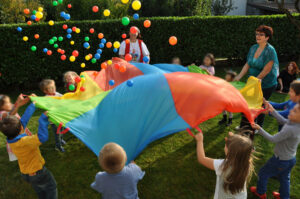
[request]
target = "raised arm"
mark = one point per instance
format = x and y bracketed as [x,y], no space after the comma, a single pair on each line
[279,117]
[202,159]
[27,115]
[282,135]
[43,128]
[280,106]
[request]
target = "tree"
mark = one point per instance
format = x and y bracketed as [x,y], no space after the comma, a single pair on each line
[281,6]
[222,7]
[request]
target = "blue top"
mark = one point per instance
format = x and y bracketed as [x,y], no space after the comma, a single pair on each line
[122,185]
[286,107]
[258,64]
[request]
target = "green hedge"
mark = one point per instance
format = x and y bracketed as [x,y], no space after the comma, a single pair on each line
[229,37]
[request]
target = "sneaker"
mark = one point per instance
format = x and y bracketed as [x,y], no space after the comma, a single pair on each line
[254,191]
[223,121]
[60,149]
[229,123]
[276,195]
[63,142]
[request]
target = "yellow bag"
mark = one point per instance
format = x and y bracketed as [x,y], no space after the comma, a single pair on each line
[252,93]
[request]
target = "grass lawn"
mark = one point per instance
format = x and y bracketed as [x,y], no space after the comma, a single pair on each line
[170,163]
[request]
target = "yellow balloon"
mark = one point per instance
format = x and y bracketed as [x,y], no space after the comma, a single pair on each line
[109,62]
[89,47]
[117,44]
[82,65]
[51,23]
[136,5]
[87,58]
[125,1]
[72,43]
[77,30]
[25,38]
[106,12]
[40,9]
[39,15]
[72,58]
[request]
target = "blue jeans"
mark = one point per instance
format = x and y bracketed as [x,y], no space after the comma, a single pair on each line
[279,168]
[43,183]
[58,137]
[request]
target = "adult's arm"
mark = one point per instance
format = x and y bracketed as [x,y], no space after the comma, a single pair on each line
[267,69]
[243,72]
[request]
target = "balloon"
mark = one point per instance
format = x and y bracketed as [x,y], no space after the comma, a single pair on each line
[69,31]
[82,65]
[65,26]
[60,38]
[60,1]
[75,53]
[90,55]
[55,45]
[103,41]
[59,50]
[29,23]
[51,41]
[133,30]
[95,9]
[87,58]
[62,52]
[77,79]
[173,40]
[115,50]
[69,5]
[39,15]
[54,38]
[111,82]
[74,28]
[92,30]
[33,48]
[86,45]
[128,57]
[97,56]
[99,51]
[72,58]
[51,23]
[36,36]
[146,59]
[86,39]
[127,41]
[62,14]
[136,16]
[49,52]
[109,62]
[25,38]
[124,36]
[19,29]
[77,30]
[125,1]
[33,17]
[117,66]
[100,35]
[94,60]
[37,19]
[63,57]
[122,69]
[117,44]
[147,23]
[136,5]
[72,87]
[101,45]
[106,12]
[104,65]
[72,43]
[55,3]
[130,83]
[40,9]
[45,50]
[82,89]
[69,36]
[26,11]
[108,45]
[34,12]
[67,16]
[125,21]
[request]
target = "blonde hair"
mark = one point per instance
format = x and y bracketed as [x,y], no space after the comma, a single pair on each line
[112,158]
[72,73]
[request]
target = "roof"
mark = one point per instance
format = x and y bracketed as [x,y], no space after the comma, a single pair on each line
[272,6]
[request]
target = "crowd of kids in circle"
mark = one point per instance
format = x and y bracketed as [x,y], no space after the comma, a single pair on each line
[118,180]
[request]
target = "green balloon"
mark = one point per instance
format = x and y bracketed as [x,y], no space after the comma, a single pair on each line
[34,12]
[54,38]
[125,21]
[55,46]
[51,41]
[60,38]
[55,3]
[33,48]
[60,1]
[71,87]
[86,39]
[82,76]
[94,60]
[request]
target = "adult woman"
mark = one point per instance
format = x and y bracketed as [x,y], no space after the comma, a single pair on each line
[287,76]
[136,47]
[262,62]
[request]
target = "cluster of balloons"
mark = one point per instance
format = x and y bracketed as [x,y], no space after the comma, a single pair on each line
[65,15]
[55,3]
[36,15]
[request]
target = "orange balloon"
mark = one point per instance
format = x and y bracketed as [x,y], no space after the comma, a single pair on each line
[127,41]
[59,50]
[147,23]
[29,23]
[173,40]
[104,65]
[122,69]
[90,55]
[100,35]
[95,73]
[108,44]
[36,36]
[26,11]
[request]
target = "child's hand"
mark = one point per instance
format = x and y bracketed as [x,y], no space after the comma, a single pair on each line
[46,113]
[21,101]
[33,95]
[256,126]
[199,137]
[230,133]
[236,79]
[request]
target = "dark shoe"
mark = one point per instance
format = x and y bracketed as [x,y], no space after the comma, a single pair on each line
[224,120]
[60,149]
[253,190]
[229,123]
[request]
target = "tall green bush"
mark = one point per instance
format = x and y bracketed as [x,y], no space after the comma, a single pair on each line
[229,37]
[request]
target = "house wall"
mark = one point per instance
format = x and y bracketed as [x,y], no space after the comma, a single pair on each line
[240,7]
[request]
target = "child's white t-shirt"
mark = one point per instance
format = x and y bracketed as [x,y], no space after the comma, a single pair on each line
[134,50]
[219,191]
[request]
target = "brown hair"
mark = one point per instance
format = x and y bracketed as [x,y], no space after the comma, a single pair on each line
[212,58]
[2,98]
[295,67]
[231,73]
[45,82]
[265,29]
[238,165]
[10,127]
[295,85]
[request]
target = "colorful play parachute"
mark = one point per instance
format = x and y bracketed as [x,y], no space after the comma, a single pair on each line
[157,101]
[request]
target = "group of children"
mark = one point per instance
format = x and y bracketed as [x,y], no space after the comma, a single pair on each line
[119,180]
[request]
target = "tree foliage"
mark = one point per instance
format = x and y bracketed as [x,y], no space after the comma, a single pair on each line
[222,7]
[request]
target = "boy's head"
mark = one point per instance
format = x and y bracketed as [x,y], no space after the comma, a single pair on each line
[11,127]
[294,92]
[112,158]
[230,75]
[176,60]
[48,86]
[5,103]
[69,77]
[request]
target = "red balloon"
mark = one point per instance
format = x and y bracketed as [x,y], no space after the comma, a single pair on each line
[62,52]
[124,36]
[29,23]
[69,5]
[147,23]
[26,11]
[90,55]
[117,66]
[75,53]
[49,52]
[128,57]
[63,57]
[74,28]
[133,30]
[104,65]
[58,50]
[36,36]
[95,8]
[37,19]
[82,89]
[122,69]
[92,30]
[65,26]
[127,41]
[77,79]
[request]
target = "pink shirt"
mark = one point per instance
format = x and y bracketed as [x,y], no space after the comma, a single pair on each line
[211,69]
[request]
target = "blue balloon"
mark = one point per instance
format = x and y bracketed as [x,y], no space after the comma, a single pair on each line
[111,82]
[45,50]
[130,83]
[146,59]
[97,56]
[103,41]
[99,51]
[101,45]
[86,45]
[115,50]
[136,16]
[69,30]
[69,36]
[67,17]
[19,29]
[33,17]
[62,14]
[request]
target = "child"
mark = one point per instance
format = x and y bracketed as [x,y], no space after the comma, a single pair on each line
[69,79]
[232,172]
[7,109]
[208,64]
[176,60]
[284,158]
[230,75]
[48,87]
[118,180]
[26,148]
[287,76]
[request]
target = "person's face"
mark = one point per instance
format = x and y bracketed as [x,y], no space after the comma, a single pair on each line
[261,37]
[176,61]
[293,96]
[133,36]
[290,68]
[7,105]
[228,78]
[294,115]
[50,89]
[207,61]
[70,79]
